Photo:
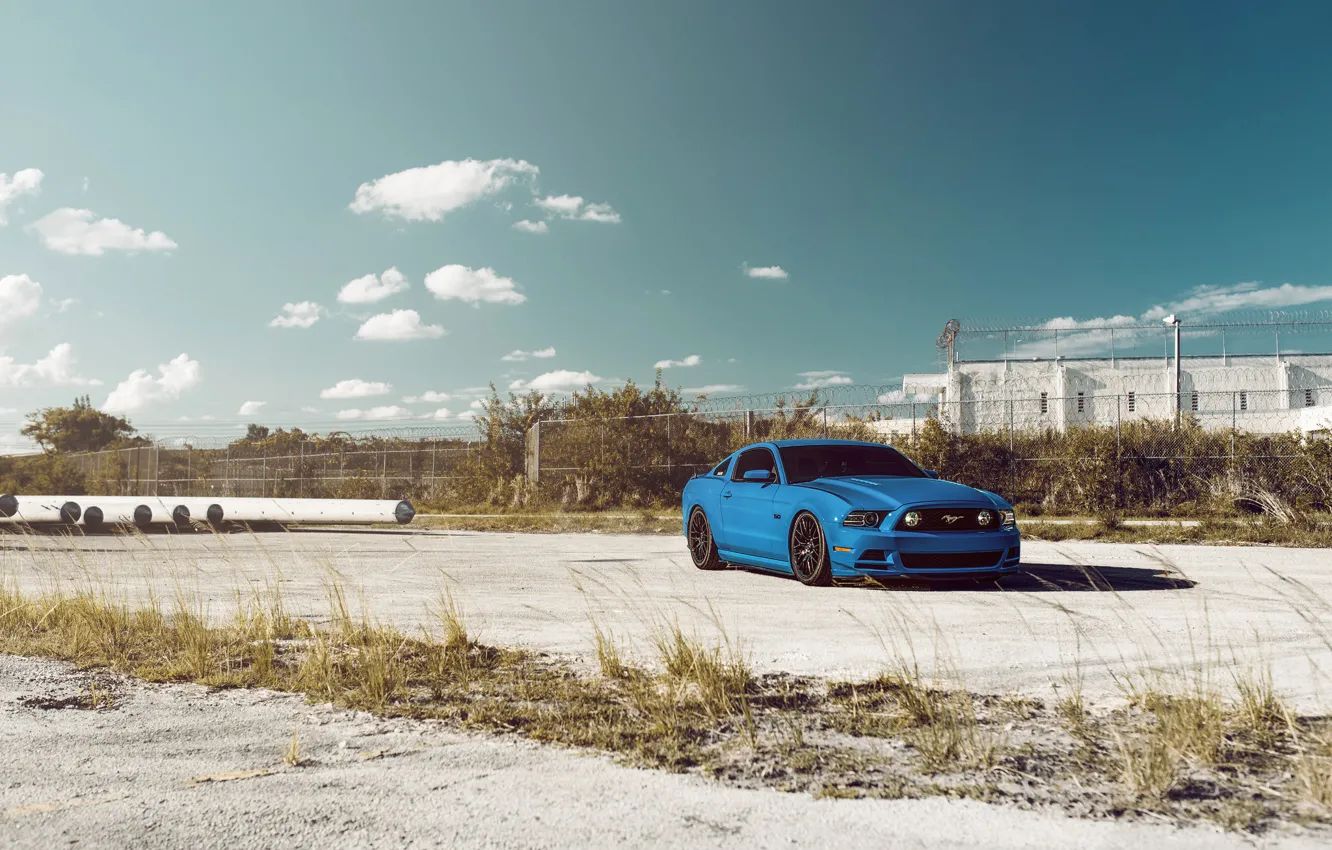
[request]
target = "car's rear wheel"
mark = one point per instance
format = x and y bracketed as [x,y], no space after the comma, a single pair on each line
[809,551]
[702,546]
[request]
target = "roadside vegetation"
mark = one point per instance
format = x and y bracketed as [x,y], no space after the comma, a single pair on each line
[631,450]
[1175,748]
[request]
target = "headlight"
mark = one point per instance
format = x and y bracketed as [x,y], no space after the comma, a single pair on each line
[911,520]
[1007,518]
[862,519]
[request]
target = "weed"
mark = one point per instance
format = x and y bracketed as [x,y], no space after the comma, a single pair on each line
[291,756]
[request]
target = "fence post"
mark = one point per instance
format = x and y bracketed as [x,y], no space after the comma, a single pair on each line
[913,426]
[383,474]
[668,447]
[825,423]
[532,460]
[434,485]
[1012,456]
[301,444]
[263,476]
[1119,453]
[157,469]
[1234,404]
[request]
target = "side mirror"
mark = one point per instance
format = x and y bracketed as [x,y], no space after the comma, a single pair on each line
[757,475]
[930,473]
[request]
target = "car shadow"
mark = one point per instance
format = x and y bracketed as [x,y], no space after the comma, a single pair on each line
[1051,578]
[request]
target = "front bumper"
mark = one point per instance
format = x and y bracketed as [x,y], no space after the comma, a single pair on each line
[883,553]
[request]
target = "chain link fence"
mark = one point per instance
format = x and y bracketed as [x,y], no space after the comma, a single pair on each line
[421,466]
[1143,453]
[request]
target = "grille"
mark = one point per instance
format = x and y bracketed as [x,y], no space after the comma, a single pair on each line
[932,519]
[872,555]
[945,560]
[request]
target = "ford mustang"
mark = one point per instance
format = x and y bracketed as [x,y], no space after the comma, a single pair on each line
[838,509]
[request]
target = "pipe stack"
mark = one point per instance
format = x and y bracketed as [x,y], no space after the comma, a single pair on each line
[144,512]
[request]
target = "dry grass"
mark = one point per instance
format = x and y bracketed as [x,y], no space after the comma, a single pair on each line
[702,708]
[1216,532]
[291,756]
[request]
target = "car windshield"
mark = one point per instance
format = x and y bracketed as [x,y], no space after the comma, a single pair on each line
[805,463]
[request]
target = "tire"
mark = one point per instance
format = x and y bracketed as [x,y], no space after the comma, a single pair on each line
[702,545]
[809,551]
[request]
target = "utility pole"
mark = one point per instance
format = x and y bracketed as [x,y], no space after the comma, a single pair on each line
[1173,321]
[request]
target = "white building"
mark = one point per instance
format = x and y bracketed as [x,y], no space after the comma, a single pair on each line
[1258,393]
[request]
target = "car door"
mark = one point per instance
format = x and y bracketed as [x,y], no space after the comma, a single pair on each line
[747,505]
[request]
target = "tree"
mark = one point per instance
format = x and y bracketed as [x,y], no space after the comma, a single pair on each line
[80,428]
[256,433]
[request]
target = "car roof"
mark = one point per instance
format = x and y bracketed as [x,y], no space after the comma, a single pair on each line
[783,444]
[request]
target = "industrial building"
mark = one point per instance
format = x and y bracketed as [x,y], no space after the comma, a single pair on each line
[1262,393]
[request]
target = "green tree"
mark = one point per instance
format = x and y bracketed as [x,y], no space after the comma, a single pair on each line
[80,428]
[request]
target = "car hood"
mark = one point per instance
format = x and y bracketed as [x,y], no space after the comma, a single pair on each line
[891,492]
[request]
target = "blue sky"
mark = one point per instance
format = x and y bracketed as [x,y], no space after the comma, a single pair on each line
[880,167]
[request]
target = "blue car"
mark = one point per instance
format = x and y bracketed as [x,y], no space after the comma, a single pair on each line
[838,509]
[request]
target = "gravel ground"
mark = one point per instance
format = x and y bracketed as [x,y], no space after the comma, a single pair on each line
[1162,608]
[179,766]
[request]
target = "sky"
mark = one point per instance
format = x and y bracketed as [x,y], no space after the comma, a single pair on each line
[324,213]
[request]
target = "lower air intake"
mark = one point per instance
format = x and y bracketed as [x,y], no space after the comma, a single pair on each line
[949,560]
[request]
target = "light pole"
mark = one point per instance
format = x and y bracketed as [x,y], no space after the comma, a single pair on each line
[1173,321]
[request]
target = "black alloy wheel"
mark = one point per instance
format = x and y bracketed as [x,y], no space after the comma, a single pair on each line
[809,552]
[702,548]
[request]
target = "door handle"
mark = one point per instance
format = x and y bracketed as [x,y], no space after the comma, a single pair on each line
[726,495]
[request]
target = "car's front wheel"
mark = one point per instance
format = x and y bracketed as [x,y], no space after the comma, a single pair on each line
[702,546]
[809,551]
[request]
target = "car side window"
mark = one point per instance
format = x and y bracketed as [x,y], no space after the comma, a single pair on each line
[721,467]
[754,459]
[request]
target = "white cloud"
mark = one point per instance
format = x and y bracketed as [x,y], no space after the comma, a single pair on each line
[442,413]
[691,360]
[713,388]
[25,182]
[429,396]
[55,369]
[599,212]
[63,304]
[478,404]
[765,272]
[428,192]
[574,207]
[519,354]
[85,185]
[467,414]
[1200,304]
[250,408]
[398,325]
[308,409]
[356,388]
[371,288]
[141,388]
[302,314]
[387,412]
[561,380]
[528,226]
[819,380]
[20,296]
[1210,300]
[565,206]
[72,231]
[473,285]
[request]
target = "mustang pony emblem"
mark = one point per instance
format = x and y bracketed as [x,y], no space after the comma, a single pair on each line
[950,518]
